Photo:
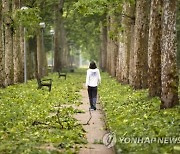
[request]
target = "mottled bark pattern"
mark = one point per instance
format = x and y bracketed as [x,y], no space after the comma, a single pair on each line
[40,54]
[141,44]
[125,45]
[154,49]
[17,54]
[58,37]
[112,47]
[33,64]
[1,50]
[131,62]
[120,58]
[103,49]
[169,75]
[108,45]
[64,44]
[30,65]
[9,67]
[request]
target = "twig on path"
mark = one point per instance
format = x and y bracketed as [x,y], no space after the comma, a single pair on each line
[89,118]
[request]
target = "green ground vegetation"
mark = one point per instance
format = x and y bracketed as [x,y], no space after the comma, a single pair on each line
[37,121]
[132,114]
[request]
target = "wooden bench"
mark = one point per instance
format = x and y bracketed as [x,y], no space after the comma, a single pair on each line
[62,74]
[44,83]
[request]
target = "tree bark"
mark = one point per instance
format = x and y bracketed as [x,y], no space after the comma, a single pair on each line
[33,43]
[169,73]
[58,37]
[40,54]
[32,62]
[9,66]
[30,59]
[125,42]
[63,42]
[141,44]
[103,48]
[108,45]
[17,54]
[131,62]
[120,59]
[1,50]
[154,49]
[112,46]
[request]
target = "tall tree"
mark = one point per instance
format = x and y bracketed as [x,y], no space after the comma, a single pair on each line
[141,44]
[9,66]
[33,50]
[58,38]
[1,49]
[40,54]
[112,45]
[125,36]
[169,73]
[132,62]
[30,60]
[64,45]
[17,54]
[103,49]
[154,49]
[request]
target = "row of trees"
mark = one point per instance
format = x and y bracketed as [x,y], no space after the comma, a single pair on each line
[138,43]
[21,36]
[143,52]
[136,40]
[14,37]
[22,39]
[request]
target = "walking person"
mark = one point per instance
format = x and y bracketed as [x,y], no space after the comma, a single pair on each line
[93,79]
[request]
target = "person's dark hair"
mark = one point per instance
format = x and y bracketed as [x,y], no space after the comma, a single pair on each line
[92,65]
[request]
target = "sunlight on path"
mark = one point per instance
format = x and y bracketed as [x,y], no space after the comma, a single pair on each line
[95,130]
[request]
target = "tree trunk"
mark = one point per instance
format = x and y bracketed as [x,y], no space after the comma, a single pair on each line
[141,44]
[9,67]
[114,52]
[108,45]
[112,47]
[125,44]
[131,62]
[45,64]
[154,49]
[58,37]
[169,73]
[30,59]
[120,59]
[34,45]
[40,55]
[1,50]
[57,61]
[17,54]
[63,42]
[103,48]
[33,51]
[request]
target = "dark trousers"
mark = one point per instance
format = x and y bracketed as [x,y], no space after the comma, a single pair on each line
[92,92]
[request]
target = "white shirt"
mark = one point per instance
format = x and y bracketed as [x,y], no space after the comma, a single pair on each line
[93,77]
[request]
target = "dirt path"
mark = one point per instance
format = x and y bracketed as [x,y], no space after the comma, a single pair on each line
[95,130]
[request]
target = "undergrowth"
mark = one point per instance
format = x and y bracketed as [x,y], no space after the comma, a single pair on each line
[131,114]
[37,121]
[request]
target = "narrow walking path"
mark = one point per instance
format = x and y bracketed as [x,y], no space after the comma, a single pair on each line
[95,130]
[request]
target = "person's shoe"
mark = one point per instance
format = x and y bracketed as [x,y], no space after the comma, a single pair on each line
[91,109]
